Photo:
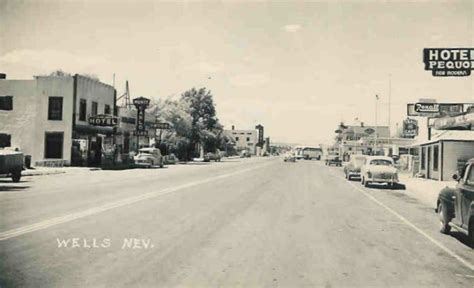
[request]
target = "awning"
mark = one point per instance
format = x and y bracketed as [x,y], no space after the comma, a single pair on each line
[93,130]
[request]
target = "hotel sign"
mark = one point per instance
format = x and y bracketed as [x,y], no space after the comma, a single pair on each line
[444,62]
[103,120]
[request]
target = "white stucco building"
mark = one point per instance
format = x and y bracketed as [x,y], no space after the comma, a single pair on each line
[47,117]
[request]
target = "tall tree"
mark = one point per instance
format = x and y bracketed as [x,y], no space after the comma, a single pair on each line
[205,127]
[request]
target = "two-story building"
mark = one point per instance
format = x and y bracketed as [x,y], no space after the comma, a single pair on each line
[47,117]
[244,139]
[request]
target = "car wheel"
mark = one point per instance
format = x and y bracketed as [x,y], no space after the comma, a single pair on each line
[16,176]
[444,219]
[470,234]
[366,183]
[348,177]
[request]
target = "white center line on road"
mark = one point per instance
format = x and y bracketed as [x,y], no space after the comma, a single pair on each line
[127,201]
[411,225]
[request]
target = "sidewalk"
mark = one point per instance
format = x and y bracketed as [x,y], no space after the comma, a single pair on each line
[40,171]
[425,190]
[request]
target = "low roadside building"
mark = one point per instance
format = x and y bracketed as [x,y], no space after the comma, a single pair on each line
[445,154]
[125,138]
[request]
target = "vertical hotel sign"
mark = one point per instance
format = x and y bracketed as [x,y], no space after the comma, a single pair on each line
[141,104]
[443,62]
[260,135]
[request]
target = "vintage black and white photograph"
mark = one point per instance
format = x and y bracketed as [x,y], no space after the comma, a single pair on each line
[236,143]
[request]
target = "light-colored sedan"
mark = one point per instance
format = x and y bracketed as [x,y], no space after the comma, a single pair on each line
[379,169]
[148,157]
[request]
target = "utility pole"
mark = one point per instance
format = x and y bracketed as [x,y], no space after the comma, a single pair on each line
[376,125]
[389,104]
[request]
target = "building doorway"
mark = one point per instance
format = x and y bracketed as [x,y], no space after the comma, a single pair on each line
[95,151]
[53,145]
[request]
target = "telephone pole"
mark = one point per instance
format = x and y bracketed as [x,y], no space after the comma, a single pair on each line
[389,104]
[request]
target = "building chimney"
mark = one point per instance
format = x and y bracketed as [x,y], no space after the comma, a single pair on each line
[361,124]
[3,76]
[233,127]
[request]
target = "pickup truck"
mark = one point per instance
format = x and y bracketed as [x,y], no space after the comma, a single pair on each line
[11,164]
[455,206]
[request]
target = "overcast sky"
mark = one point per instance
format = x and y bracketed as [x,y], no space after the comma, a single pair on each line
[298,68]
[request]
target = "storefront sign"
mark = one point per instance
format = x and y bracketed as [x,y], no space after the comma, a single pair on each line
[140,133]
[410,127]
[164,126]
[140,120]
[103,120]
[141,102]
[426,107]
[434,109]
[449,61]
[369,131]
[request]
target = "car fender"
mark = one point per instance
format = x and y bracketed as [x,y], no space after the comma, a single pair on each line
[447,196]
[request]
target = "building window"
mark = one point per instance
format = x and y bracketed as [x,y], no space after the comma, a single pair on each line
[82,110]
[95,109]
[248,139]
[107,109]
[236,138]
[55,108]
[53,145]
[6,103]
[435,157]
[128,120]
[423,157]
[5,140]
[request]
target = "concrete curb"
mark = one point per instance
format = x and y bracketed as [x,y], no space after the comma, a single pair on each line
[40,173]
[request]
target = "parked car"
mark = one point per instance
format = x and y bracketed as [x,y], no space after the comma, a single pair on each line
[289,157]
[148,157]
[170,159]
[455,206]
[333,159]
[245,154]
[352,169]
[11,164]
[210,156]
[379,169]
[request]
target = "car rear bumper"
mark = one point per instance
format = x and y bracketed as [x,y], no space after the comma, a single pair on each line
[353,174]
[143,164]
[377,180]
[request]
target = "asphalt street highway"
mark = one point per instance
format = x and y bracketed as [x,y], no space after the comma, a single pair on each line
[255,222]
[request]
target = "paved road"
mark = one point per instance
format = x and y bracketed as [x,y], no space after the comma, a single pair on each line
[243,222]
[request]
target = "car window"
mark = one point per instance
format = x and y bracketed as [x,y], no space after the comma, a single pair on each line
[470,176]
[381,162]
